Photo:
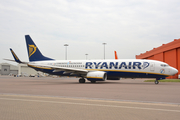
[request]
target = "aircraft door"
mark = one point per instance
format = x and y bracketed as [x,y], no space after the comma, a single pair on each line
[152,66]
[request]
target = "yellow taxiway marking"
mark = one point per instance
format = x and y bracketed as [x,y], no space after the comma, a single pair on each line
[93,100]
[86,104]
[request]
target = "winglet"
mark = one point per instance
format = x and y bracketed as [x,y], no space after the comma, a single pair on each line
[15,56]
[115,53]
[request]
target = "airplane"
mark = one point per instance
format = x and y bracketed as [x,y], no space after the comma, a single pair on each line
[96,70]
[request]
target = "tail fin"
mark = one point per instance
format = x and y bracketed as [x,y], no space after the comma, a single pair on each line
[15,56]
[115,53]
[33,51]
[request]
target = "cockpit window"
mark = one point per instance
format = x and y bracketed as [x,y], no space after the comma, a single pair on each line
[164,65]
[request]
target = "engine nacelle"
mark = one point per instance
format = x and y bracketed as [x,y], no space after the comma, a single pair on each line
[96,76]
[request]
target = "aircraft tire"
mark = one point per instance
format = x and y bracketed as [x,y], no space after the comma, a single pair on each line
[93,81]
[82,80]
[156,82]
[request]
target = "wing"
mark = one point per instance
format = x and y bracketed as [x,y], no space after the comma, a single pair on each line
[16,61]
[66,70]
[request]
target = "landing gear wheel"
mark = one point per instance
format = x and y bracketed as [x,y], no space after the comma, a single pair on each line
[82,80]
[93,81]
[156,82]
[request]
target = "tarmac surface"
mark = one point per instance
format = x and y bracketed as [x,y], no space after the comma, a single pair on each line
[66,99]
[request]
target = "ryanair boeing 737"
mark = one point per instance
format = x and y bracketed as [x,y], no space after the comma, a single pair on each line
[96,70]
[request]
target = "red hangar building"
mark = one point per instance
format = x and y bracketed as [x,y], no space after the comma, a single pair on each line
[168,53]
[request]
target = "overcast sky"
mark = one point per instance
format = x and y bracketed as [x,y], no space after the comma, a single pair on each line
[130,27]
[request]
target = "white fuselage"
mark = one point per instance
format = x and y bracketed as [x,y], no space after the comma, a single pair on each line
[114,68]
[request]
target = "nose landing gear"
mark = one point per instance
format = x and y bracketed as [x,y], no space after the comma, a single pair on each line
[156,82]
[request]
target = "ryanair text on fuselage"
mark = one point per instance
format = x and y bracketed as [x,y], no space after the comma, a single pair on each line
[117,65]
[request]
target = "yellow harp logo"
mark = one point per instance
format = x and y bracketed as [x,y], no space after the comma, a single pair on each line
[32,50]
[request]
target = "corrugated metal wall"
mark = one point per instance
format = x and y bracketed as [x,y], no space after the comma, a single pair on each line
[168,53]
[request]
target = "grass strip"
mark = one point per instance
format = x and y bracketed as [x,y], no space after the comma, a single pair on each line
[164,80]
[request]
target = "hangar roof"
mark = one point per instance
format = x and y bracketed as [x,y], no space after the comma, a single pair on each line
[164,47]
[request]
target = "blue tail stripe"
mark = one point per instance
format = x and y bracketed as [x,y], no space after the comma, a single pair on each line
[33,52]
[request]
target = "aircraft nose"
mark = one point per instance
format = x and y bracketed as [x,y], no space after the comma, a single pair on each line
[174,71]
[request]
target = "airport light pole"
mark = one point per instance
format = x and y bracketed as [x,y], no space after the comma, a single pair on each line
[104,49]
[66,50]
[86,56]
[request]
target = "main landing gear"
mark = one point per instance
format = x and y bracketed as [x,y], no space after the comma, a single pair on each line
[82,80]
[93,81]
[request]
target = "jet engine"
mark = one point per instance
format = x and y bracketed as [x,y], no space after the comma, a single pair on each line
[96,76]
